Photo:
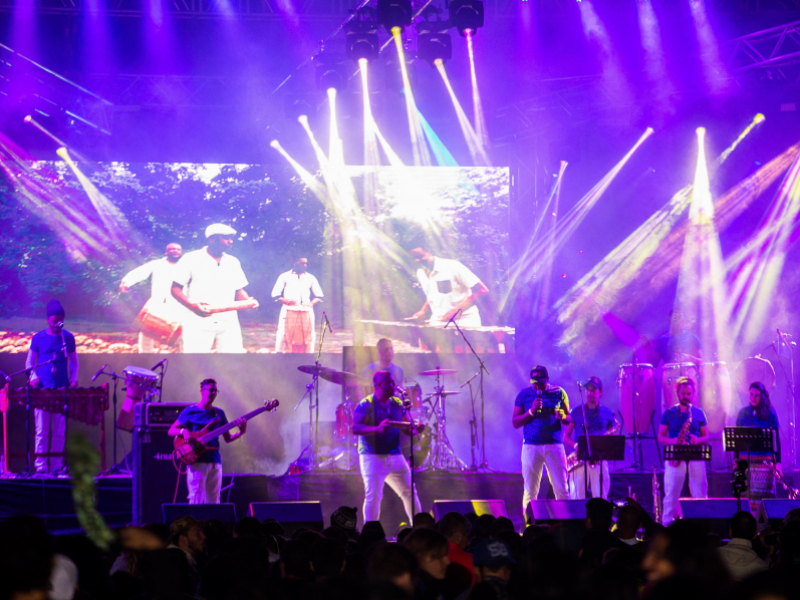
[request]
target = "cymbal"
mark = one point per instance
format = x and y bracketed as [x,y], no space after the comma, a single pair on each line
[444,393]
[340,377]
[310,369]
[438,371]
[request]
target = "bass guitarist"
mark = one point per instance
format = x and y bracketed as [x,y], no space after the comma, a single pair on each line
[204,477]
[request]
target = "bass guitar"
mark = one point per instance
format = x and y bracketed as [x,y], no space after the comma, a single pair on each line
[188,450]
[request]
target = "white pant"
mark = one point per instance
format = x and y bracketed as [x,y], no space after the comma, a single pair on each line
[673,484]
[534,457]
[50,425]
[577,488]
[200,340]
[280,336]
[377,469]
[204,481]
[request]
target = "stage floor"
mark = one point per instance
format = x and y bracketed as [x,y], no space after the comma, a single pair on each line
[51,498]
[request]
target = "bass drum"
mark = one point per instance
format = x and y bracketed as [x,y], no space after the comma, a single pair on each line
[754,369]
[715,393]
[645,395]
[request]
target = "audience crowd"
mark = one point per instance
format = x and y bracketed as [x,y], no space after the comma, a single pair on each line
[457,558]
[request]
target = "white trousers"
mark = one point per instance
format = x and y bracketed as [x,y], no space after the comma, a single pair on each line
[204,481]
[200,340]
[673,484]
[534,457]
[377,469]
[577,488]
[52,426]
[280,335]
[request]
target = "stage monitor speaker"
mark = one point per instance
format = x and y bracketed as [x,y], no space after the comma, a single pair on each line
[773,510]
[291,515]
[225,512]
[154,474]
[497,508]
[712,514]
[15,420]
[550,512]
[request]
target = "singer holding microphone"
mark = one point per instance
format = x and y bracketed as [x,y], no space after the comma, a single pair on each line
[541,410]
[57,345]
[294,290]
[378,420]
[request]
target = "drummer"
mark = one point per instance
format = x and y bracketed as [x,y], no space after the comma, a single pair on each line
[384,363]
[679,345]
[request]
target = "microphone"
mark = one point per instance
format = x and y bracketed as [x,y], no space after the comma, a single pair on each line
[100,372]
[159,364]
[328,323]
[468,381]
[452,319]
[59,325]
[539,397]
[580,385]
[401,389]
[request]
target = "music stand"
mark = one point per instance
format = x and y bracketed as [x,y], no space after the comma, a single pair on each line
[687,452]
[749,439]
[601,448]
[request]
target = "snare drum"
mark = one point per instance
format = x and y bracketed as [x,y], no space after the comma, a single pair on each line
[645,395]
[669,378]
[715,393]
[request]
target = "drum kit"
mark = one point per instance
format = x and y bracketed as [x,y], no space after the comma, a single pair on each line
[432,449]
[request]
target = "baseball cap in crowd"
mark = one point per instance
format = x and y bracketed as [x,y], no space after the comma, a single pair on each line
[344,517]
[492,554]
[219,229]
[539,373]
[594,381]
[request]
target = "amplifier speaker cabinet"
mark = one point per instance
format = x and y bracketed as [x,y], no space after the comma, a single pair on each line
[712,514]
[550,512]
[154,473]
[773,510]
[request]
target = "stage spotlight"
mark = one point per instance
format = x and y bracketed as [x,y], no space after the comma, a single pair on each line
[394,13]
[330,73]
[361,35]
[433,45]
[466,15]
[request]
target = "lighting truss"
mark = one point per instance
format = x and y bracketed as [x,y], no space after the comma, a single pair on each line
[774,48]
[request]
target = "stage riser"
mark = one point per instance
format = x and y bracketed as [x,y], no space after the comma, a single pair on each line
[52,500]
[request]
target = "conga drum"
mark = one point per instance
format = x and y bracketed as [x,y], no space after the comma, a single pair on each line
[298,329]
[645,395]
[715,393]
[669,378]
[157,326]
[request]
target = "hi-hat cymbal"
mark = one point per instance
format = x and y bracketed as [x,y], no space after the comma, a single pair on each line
[444,393]
[438,371]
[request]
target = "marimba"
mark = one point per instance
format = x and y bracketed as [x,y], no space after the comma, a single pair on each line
[86,405]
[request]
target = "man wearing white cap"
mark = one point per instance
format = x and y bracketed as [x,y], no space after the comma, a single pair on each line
[210,283]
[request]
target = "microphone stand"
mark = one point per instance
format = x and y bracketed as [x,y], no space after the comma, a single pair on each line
[64,468]
[115,468]
[588,448]
[484,464]
[793,408]
[411,428]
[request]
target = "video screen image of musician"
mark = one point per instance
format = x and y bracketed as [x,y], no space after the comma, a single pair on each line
[229,258]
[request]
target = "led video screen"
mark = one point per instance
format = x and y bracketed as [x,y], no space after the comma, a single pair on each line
[382,252]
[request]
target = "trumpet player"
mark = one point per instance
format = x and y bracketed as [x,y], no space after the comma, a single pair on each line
[683,424]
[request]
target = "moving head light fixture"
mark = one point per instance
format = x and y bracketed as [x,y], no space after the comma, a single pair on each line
[466,15]
[394,13]
[361,35]
[433,41]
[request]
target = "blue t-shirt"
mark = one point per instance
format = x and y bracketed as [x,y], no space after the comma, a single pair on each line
[195,418]
[371,412]
[545,428]
[598,420]
[54,375]
[669,345]
[674,419]
[748,417]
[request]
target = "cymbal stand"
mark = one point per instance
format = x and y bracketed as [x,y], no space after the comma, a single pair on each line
[444,457]
[482,369]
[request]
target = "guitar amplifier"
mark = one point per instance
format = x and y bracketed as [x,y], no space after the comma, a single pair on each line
[154,473]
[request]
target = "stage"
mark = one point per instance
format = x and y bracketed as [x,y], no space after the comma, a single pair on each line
[51,499]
